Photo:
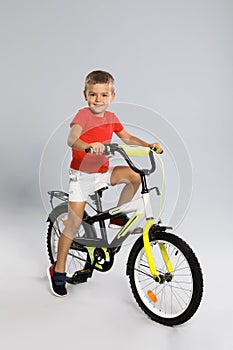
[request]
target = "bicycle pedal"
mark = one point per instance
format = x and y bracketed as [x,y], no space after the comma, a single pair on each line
[80,276]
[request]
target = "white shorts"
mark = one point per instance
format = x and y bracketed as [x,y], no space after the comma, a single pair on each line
[82,184]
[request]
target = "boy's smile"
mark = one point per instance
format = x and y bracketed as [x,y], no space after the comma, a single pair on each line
[98,97]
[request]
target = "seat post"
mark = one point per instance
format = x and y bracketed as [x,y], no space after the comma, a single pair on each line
[98,202]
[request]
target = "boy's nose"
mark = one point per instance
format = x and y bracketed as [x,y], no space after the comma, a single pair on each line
[98,98]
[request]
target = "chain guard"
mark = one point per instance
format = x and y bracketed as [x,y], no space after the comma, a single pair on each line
[102,259]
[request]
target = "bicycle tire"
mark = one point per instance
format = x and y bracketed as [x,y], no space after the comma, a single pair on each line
[76,259]
[171,302]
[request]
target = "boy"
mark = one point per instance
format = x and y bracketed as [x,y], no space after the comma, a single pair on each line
[92,127]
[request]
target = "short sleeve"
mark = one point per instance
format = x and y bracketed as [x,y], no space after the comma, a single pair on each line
[117,124]
[80,118]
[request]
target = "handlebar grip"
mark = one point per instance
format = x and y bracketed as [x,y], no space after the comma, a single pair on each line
[107,150]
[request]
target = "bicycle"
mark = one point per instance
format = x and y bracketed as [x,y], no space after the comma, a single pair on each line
[164,273]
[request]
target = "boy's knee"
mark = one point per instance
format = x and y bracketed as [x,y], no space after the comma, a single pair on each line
[131,178]
[72,226]
[135,178]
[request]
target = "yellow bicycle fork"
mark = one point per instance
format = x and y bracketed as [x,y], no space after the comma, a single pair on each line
[149,254]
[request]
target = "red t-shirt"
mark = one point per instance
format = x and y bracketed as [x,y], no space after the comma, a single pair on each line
[94,129]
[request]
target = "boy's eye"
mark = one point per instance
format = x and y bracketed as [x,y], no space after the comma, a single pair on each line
[92,94]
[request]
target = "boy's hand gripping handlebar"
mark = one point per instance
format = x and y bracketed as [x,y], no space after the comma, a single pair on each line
[129,151]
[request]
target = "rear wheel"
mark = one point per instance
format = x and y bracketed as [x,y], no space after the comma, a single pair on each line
[176,297]
[76,259]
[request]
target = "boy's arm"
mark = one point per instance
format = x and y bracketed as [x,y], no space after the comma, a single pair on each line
[75,142]
[129,139]
[74,138]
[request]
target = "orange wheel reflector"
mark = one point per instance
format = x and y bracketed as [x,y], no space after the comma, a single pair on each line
[152,296]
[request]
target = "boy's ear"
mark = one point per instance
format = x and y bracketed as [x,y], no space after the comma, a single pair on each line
[84,93]
[113,96]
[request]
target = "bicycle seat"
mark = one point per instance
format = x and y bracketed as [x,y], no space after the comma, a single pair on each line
[99,192]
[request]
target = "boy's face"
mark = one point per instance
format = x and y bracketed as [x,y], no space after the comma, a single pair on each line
[98,97]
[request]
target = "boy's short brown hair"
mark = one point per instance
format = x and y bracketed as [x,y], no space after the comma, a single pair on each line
[99,77]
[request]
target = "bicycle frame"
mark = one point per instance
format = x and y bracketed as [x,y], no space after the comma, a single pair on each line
[142,209]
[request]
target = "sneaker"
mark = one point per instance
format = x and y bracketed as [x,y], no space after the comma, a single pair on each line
[118,222]
[57,282]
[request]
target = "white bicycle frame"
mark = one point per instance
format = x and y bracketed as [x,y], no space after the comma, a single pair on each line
[140,207]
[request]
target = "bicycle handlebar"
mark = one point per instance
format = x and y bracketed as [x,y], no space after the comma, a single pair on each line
[111,148]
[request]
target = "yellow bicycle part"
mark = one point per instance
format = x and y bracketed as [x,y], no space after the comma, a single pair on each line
[91,254]
[149,254]
[147,247]
[165,257]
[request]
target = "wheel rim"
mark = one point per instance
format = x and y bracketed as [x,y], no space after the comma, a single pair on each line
[75,259]
[171,298]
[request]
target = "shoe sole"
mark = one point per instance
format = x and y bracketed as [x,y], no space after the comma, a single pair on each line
[51,286]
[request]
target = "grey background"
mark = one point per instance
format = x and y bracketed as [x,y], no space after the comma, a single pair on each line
[174,57]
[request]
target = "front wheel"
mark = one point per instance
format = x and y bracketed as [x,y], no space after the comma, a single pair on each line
[175,298]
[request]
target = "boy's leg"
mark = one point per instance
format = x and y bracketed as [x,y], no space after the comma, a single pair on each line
[123,174]
[75,215]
